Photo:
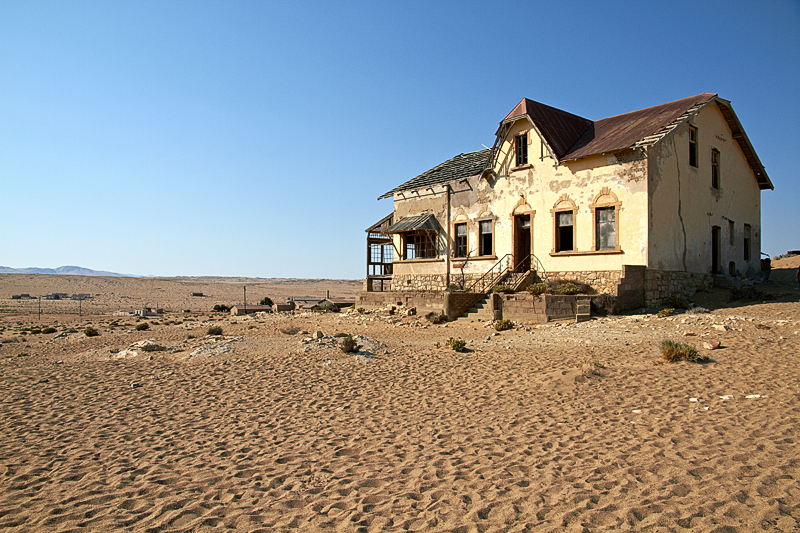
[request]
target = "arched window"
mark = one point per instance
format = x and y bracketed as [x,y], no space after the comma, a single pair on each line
[605,217]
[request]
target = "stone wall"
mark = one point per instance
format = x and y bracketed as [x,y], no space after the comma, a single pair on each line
[602,281]
[429,282]
[452,304]
[529,308]
[660,285]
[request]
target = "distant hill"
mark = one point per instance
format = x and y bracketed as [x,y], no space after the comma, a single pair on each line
[63,271]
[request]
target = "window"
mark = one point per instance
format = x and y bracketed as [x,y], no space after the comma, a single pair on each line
[715,169]
[747,242]
[522,149]
[461,240]
[693,146]
[564,232]
[485,230]
[606,228]
[419,245]
[730,230]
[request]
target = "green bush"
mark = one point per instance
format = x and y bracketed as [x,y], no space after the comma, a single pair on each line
[214,330]
[142,327]
[265,301]
[665,312]
[537,288]
[221,308]
[90,332]
[505,289]
[672,352]
[457,344]
[567,288]
[49,330]
[436,319]
[503,325]
[360,310]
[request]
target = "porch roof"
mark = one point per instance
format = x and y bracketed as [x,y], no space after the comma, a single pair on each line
[420,222]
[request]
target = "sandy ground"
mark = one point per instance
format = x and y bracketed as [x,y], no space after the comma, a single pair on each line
[559,427]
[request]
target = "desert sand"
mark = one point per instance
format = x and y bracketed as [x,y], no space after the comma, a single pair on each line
[554,427]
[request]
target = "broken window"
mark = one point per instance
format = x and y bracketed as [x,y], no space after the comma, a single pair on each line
[461,240]
[564,232]
[486,245]
[747,242]
[692,146]
[715,169]
[606,228]
[522,149]
[419,245]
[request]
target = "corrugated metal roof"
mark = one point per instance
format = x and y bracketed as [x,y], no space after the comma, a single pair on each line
[625,131]
[460,167]
[426,222]
[559,128]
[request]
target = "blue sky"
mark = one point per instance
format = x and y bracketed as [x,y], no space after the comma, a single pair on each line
[253,138]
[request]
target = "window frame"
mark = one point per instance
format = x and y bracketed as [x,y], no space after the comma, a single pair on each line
[521,149]
[456,239]
[606,199]
[490,220]
[693,146]
[715,169]
[430,245]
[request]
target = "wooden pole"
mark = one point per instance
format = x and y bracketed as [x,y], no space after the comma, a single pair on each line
[40,308]
[245,299]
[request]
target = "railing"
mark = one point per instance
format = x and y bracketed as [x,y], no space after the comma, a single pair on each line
[485,283]
[538,267]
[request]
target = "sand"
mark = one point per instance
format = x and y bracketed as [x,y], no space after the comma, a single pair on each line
[559,427]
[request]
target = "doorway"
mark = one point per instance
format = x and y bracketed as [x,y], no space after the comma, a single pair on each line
[522,243]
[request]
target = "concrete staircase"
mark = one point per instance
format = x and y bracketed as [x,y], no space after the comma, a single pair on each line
[481,311]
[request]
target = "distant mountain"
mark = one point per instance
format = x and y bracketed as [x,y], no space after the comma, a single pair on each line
[63,271]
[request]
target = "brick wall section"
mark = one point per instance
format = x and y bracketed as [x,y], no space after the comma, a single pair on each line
[630,288]
[460,302]
[529,308]
[452,304]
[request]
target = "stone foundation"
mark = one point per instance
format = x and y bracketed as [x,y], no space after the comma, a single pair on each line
[601,281]
[522,307]
[429,282]
[660,285]
[451,304]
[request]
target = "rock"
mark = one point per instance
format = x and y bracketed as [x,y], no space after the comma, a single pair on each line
[318,334]
[689,334]
[711,345]
[135,384]
[411,312]
[721,327]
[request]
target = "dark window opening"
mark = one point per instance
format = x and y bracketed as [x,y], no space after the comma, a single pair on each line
[730,230]
[732,269]
[606,229]
[485,228]
[564,233]
[715,266]
[693,146]
[522,149]
[715,169]
[747,242]
[461,240]
[420,245]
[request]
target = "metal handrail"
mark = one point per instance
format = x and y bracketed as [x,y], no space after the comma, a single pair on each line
[538,267]
[482,283]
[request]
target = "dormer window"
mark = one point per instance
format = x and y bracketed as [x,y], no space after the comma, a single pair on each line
[522,149]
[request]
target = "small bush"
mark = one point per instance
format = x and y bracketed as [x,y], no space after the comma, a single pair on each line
[190,336]
[503,325]
[153,348]
[567,288]
[436,319]
[329,307]
[457,344]
[90,332]
[591,368]
[214,330]
[22,354]
[266,301]
[142,327]
[35,331]
[49,330]
[604,304]
[762,326]
[251,327]
[360,310]
[537,288]
[672,352]
[677,302]
[505,289]
[293,330]
[348,345]
[665,312]
[219,308]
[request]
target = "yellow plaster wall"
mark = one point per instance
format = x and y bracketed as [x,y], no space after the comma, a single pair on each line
[683,201]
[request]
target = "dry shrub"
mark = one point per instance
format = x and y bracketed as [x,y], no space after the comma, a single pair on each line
[537,288]
[503,325]
[292,330]
[91,332]
[665,312]
[142,327]
[214,330]
[591,368]
[348,345]
[457,344]
[672,352]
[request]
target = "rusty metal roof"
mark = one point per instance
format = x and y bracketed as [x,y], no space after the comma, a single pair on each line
[460,167]
[420,222]
[559,129]
[625,131]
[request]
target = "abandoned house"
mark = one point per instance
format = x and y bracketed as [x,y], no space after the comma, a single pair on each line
[641,206]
